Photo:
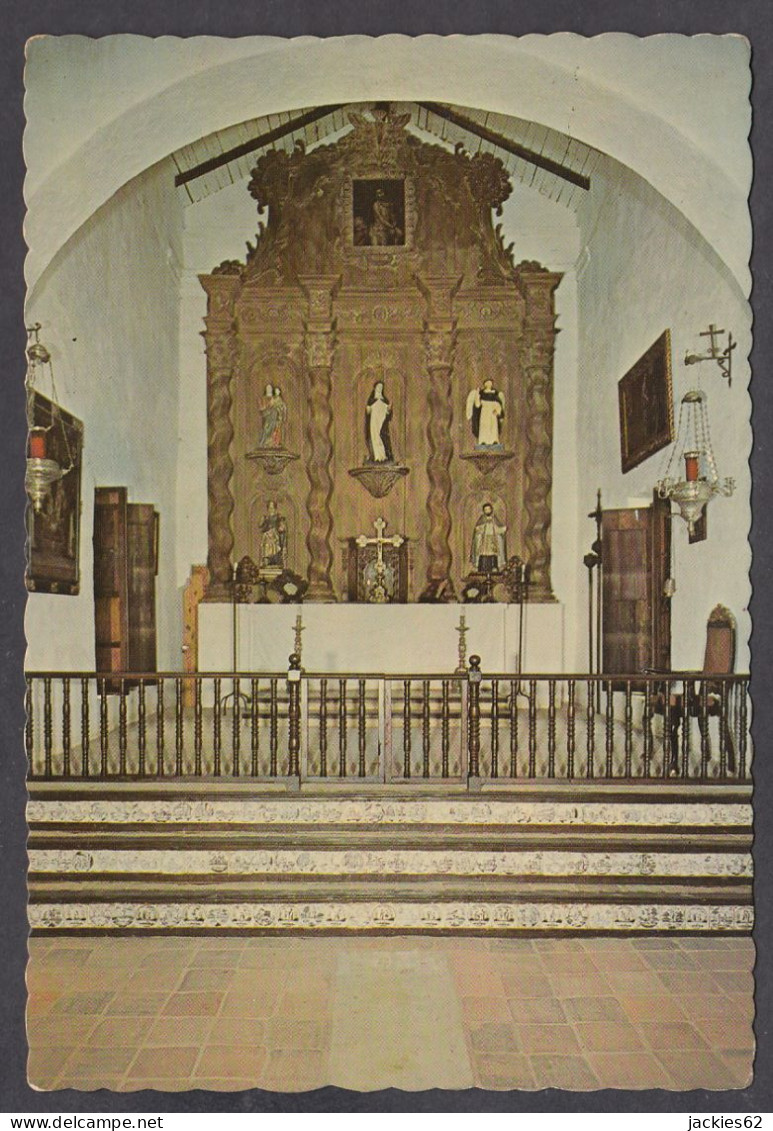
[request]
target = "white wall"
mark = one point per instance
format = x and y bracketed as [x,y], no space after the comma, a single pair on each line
[644,269]
[108,305]
[673,108]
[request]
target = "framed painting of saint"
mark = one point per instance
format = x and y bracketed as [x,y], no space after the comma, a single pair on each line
[646,405]
[53,522]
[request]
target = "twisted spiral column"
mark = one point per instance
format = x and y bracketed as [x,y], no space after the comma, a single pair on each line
[319,347]
[439,343]
[221,353]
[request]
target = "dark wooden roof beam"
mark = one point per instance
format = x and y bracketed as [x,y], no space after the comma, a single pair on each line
[512,147]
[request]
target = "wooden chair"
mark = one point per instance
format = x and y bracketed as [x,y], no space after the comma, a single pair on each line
[692,701]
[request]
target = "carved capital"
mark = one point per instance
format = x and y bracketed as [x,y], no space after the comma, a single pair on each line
[439,345]
[537,285]
[439,292]
[320,290]
[221,350]
[222,291]
[320,348]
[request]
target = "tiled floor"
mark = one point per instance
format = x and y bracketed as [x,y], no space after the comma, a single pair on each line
[294,1014]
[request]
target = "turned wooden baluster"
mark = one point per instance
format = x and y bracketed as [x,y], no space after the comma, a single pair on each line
[473,718]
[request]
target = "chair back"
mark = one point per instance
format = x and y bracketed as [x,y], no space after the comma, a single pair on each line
[720,642]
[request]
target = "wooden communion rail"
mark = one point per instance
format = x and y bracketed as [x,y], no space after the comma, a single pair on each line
[469,727]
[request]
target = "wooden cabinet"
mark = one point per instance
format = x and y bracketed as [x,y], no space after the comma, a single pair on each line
[636,613]
[125,566]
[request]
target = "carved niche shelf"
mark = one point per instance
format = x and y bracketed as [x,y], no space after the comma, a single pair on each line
[274,460]
[378,479]
[486,462]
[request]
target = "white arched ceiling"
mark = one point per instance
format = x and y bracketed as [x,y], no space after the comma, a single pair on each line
[607,92]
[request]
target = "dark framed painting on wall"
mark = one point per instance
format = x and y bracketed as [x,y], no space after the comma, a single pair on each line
[378,213]
[53,528]
[646,402]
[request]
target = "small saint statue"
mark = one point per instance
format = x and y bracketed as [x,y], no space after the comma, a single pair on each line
[377,413]
[488,553]
[273,412]
[384,228]
[273,542]
[486,411]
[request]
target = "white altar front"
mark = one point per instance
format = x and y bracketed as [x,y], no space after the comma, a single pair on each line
[381,638]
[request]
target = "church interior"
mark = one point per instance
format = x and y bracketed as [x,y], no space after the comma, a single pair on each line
[388,559]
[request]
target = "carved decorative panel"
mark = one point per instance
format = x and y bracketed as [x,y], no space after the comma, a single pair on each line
[378,260]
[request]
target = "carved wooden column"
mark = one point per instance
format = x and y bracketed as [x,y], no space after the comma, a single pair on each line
[319,343]
[537,286]
[439,343]
[221,347]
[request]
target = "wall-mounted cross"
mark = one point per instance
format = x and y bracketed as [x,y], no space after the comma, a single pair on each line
[380,541]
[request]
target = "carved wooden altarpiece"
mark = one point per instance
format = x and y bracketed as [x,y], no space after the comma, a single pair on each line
[379,261]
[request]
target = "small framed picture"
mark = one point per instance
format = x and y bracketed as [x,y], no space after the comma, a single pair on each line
[53,522]
[646,402]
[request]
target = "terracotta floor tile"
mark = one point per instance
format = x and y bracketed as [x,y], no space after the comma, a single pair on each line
[593,1009]
[96,1061]
[478,1010]
[305,1006]
[44,1064]
[635,983]
[654,942]
[628,1070]
[742,1006]
[698,1006]
[156,1084]
[689,982]
[293,1071]
[201,978]
[723,1033]
[292,1035]
[89,1083]
[741,1065]
[185,1031]
[542,1010]
[652,1008]
[200,1004]
[681,1035]
[237,1030]
[698,1070]
[214,957]
[669,960]
[494,1037]
[119,1031]
[245,1061]
[628,960]
[483,983]
[608,1036]
[568,985]
[163,1063]
[41,1004]
[210,1084]
[734,981]
[135,1004]
[527,985]
[547,1038]
[517,965]
[83,1003]
[572,1073]
[572,962]
[500,1072]
[54,1030]
[242,1003]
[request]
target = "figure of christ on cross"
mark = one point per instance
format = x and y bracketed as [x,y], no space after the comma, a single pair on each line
[379,588]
